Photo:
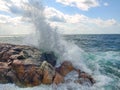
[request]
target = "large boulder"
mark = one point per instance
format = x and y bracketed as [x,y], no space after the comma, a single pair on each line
[48,72]
[65,68]
[3,71]
[58,78]
[83,78]
[49,57]
[27,75]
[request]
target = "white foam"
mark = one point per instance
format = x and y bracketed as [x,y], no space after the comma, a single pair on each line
[48,39]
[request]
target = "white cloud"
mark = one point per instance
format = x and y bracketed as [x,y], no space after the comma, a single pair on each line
[4,6]
[81,4]
[54,15]
[12,22]
[4,19]
[12,6]
[8,29]
[67,24]
[76,18]
[14,25]
[104,23]
[106,4]
[78,23]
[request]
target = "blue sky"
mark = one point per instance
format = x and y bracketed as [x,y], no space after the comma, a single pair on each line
[106,10]
[69,16]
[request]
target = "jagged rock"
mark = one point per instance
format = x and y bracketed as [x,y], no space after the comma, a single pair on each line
[49,57]
[3,71]
[19,52]
[48,73]
[28,66]
[86,76]
[25,54]
[58,78]
[27,75]
[65,68]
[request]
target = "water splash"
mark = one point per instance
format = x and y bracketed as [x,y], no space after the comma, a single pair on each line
[47,38]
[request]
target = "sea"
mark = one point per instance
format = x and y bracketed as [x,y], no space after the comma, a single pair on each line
[100,53]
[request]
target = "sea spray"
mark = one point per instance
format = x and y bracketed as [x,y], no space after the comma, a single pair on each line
[47,38]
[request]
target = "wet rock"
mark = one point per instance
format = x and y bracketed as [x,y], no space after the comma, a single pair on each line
[48,73]
[58,78]
[65,68]
[27,75]
[49,57]
[86,76]
[11,77]
[3,71]
[28,66]
[20,52]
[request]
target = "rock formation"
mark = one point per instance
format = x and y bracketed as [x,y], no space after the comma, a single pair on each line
[28,66]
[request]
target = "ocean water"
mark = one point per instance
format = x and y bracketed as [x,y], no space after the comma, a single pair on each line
[101,55]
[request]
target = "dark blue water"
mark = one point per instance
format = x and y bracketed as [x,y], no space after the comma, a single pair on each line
[104,42]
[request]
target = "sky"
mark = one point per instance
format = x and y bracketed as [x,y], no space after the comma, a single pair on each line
[68,16]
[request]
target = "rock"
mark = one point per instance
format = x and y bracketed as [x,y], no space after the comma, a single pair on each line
[25,65]
[11,77]
[49,57]
[4,51]
[27,75]
[28,66]
[65,68]
[3,71]
[86,76]
[48,73]
[19,52]
[58,78]
[23,53]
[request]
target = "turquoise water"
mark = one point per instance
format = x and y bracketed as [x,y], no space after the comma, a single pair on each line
[101,54]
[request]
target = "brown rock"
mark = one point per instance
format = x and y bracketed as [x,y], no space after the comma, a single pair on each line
[48,73]
[86,76]
[65,68]
[27,66]
[11,77]
[28,75]
[58,78]
[3,71]
[19,52]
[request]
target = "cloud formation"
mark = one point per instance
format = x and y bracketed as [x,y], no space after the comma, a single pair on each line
[52,14]
[66,24]
[77,23]
[81,4]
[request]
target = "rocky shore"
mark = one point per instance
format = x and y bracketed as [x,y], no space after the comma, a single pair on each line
[27,67]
